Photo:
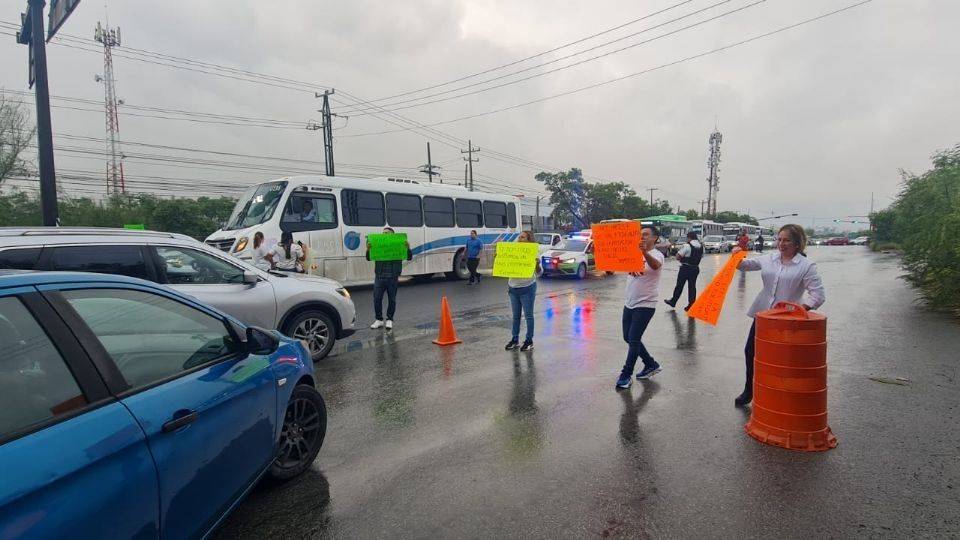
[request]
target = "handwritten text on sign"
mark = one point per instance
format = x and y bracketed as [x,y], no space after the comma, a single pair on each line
[515,259]
[388,247]
[617,247]
[708,306]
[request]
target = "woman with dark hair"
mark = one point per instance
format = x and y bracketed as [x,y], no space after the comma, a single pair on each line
[259,249]
[788,276]
[287,255]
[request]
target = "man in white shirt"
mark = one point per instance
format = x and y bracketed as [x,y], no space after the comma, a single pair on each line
[639,307]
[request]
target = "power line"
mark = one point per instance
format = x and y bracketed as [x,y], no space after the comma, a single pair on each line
[538,55]
[393,106]
[625,77]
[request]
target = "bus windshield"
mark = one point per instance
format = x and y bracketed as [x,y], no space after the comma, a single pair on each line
[256,205]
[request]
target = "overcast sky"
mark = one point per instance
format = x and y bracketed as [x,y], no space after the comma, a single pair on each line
[814,119]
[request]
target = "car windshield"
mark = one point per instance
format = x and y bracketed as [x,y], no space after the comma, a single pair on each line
[545,239]
[256,205]
[713,238]
[572,245]
[731,237]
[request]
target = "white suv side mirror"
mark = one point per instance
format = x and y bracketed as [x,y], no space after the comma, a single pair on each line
[250,278]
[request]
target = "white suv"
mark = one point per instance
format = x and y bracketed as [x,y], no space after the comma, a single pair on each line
[313,309]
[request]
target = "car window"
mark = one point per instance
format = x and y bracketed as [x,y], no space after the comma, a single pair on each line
[184,266]
[35,382]
[104,259]
[19,259]
[151,337]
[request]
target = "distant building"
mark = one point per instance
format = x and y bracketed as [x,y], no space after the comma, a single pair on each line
[533,220]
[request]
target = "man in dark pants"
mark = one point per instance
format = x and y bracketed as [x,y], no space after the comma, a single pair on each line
[386,278]
[474,249]
[689,257]
[759,244]
[639,307]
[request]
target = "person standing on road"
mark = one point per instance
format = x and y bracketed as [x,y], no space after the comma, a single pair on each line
[639,307]
[743,241]
[689,257]
[286,256]
[522,292]
[386,278]
[760,243]
[474,249]
[260,250]
[788,276]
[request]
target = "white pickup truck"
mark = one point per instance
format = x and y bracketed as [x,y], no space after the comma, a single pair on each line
[547,240]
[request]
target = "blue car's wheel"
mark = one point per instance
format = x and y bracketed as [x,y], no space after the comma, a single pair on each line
[304,427]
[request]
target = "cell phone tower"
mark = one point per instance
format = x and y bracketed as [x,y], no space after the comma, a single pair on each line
[110,38]
[713,167]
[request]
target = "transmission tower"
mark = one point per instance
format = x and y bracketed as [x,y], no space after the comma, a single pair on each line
[713,166]
[110,38]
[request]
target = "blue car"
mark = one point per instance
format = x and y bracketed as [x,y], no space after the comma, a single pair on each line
[128,410]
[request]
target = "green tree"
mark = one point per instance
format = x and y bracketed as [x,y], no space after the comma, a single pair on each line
[728,216]
[926,224]
[566,195]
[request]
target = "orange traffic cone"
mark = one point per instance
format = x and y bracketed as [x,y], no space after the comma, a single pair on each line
[448,336]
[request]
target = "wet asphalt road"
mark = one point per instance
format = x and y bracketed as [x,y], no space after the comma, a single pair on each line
[471,441]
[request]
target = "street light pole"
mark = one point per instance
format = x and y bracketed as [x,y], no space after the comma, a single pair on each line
[775,217]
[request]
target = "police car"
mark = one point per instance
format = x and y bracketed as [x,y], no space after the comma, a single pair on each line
[571,257]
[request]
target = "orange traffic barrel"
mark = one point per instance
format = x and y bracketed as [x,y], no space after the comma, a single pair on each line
[790,380]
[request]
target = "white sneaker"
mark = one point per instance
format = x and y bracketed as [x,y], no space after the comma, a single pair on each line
[389,324]
[378,324]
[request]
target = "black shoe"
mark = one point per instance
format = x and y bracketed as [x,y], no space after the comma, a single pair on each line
[671,303]
[527,346]
[511,346]
[688,307]
[743,399]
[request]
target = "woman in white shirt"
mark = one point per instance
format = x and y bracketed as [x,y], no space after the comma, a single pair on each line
[788,276]
[286,256]
[260,250]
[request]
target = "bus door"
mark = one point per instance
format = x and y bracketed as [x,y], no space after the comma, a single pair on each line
[311,215]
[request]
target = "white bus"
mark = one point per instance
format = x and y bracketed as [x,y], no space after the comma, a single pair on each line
[437,219]
[704,227]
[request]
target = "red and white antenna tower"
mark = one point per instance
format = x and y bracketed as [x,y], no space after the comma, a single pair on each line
[110,38]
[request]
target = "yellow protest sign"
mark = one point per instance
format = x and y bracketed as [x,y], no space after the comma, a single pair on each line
[515,259]
[708,306]
[617,247]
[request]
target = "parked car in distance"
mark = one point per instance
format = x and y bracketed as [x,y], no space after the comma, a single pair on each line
[729,242]
[572,257]
[838,241]
[860,241]
[713,244]
[313,309]
[677,245]
[133,411]
[547,240]
[815,242]
[769,242]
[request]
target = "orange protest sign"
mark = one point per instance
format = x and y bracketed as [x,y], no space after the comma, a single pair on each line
[709,304]
[617,247]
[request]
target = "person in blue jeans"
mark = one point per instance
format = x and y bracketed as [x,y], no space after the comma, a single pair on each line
[474,249]
[639,307]
[522,292]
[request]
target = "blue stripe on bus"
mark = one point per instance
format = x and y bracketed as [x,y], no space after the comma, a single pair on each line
[462,240]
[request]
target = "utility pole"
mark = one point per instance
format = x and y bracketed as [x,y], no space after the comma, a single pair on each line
[32,33]
[110,38]
[327,127]
[470,161]
[701,209]
[536,219]
[651,190]
[713,167]
[428,169]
